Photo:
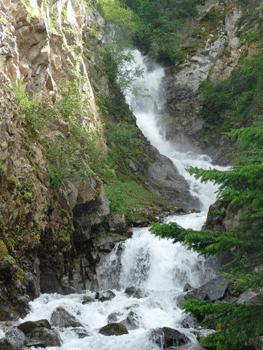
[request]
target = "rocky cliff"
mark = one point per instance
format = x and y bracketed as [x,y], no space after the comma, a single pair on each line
[214,48]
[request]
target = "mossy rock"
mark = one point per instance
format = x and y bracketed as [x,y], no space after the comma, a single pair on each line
[113,329]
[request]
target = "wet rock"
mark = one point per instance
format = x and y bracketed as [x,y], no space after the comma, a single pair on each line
[113,329]
[188,321]
[118,224]
[32,284]
[17,335]
[82,333]
[113,317]
[134,292]
[9,344]
[166,337]
[216,289]
[132,321]
[105,295]
[63,319]
[187,287]
[87,299]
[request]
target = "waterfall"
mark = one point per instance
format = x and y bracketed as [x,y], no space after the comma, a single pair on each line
[157,268]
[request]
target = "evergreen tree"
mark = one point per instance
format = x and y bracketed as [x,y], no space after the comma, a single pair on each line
[243,184]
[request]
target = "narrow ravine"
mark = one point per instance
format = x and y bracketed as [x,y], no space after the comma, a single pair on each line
[157,269]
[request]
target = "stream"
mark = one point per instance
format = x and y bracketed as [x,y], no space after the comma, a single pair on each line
[159,268]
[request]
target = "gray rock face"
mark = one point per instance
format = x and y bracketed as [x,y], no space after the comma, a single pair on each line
[167,337]
[216,289]
[63,319]
[165,182]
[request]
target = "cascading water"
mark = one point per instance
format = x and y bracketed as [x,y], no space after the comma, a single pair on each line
[157,267]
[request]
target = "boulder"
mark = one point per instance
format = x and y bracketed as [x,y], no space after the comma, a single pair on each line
[29,326]
[166,337]
[39,334]
[63,319]
[113,329]
[105,295]
[216,289]
[9,344]
[45,336]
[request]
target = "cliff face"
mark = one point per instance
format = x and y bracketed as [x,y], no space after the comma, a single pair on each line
[213,50]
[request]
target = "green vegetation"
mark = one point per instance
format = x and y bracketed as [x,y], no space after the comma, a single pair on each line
[242,185]
[151,25]
[236,99]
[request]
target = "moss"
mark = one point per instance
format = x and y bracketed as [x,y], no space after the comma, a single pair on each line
[3,249]
[27,197]
[18,203]
[1,220]
[12,183]
[12,260]
[20,275]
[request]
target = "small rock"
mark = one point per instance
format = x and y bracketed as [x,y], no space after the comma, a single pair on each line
[113,317]
[105,295]
[134,292]
[132,321]
[63,319]
[87,299]
[113,329]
